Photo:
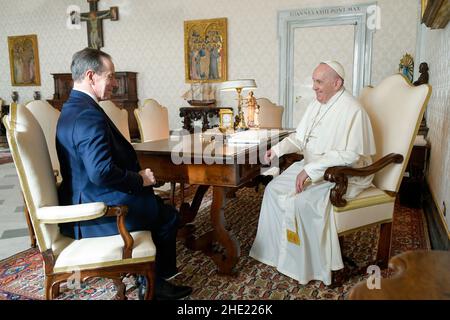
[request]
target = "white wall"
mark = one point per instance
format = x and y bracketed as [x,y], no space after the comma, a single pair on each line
[148,39]
[435,50]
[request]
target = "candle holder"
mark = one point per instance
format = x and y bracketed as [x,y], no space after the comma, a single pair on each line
[239,85]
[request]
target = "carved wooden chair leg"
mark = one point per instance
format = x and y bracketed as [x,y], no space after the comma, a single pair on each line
[120,287]
[384,245]
[55,290]
[48,286]
[150,276]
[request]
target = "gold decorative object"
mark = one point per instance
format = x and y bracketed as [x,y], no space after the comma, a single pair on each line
[205,50]
[252,111]
[239,85]
[406,66]
[226,120]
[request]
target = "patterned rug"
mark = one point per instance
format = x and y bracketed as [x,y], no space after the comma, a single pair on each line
[21,276]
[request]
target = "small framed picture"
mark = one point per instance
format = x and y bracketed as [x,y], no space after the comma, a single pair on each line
[226,120]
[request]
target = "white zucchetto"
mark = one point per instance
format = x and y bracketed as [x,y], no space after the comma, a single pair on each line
[336,66]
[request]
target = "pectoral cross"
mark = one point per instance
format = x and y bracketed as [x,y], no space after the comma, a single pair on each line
[94,22]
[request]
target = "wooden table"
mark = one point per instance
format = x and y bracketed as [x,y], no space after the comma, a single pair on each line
[418,275]
[195,159]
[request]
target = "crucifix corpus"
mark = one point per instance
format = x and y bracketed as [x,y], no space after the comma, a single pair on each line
[94,20]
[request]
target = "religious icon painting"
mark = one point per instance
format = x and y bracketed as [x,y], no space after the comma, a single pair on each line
[205,50]
[24,60]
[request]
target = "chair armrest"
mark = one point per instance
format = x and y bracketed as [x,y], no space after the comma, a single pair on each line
[89,211]
[58,178]
[120,212]
[72,213]
[339,175]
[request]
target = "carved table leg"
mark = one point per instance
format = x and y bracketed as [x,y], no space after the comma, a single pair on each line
[225,261]
[189,211]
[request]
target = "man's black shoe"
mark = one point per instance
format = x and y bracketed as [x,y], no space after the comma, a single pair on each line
[165,290]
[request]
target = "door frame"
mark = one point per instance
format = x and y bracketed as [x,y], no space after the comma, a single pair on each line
[289,20]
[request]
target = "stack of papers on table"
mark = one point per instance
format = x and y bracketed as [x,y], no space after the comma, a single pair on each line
[251,136]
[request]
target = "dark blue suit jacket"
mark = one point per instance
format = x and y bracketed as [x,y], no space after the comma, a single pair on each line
[99,164]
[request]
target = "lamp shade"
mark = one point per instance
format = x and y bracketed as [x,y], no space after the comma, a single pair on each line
[236,84]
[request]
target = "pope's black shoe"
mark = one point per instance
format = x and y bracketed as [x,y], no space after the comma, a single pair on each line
[164,290]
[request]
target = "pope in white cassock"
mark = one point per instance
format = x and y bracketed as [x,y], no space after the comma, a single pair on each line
[296,231]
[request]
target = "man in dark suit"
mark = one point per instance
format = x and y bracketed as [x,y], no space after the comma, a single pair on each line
[99,164]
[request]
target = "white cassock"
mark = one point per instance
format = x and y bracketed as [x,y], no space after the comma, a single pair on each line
[297,232]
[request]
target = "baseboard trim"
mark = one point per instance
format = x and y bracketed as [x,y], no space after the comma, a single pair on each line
[437,229]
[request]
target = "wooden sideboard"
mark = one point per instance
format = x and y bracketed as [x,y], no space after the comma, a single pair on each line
[191,114]
[124,96]
[413,182]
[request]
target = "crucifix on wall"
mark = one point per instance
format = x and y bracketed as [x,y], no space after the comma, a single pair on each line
[94,20]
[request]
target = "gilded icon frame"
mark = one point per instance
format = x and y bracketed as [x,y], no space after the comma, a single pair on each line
[205,50]
[24,60]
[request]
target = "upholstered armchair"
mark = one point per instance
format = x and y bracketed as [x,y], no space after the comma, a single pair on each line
[153,122]
[47,117]
[118,116]
[270,114]
[395,109]
[65,258]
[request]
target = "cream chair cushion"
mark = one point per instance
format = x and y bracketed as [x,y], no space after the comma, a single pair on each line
[369,207]
[92,253]
[153,121]
[270,115]
[47,117]
[395,109]
[118,116]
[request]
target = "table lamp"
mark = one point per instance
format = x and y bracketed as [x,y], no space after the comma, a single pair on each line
[239,85]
